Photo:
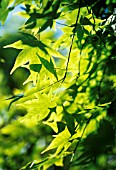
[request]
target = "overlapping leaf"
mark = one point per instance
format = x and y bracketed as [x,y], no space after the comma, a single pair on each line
[31,47]
[38,108]
[48,65]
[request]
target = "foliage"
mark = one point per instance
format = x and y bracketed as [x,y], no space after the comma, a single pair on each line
[65,116]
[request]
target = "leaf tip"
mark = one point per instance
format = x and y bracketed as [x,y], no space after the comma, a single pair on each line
[43,152]
[11,71]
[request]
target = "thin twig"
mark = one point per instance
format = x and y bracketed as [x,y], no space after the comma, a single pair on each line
[91,12]
[99,86]
[79,63]
[73,35]
[79,141]
[62,24]
[87,7]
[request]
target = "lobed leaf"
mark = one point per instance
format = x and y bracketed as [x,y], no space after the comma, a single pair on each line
[26,55]
[38,108]
[61,138]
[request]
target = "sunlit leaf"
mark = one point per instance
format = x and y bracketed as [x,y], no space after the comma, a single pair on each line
[38,108]
[57,39]
[61,138]
[22,1]
[25,56]
[18,45]
[55,53]
[53,125]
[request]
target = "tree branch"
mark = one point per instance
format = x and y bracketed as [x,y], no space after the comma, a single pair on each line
[73,35]
[79,140]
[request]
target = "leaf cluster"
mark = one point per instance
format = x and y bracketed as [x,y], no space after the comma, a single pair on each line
[65,117]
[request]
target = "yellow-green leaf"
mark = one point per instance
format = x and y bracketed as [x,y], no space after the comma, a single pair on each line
[61,138]
[26,55]
[18,45]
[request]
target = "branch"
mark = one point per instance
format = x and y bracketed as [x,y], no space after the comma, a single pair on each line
[63,24]
[79,141]
[73,35]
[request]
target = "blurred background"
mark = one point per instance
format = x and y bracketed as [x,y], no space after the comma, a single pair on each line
[19,143]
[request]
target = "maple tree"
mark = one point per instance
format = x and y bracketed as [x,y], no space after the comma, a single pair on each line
[63,116]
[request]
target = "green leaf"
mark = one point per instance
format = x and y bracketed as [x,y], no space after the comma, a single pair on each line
[53,125]
[48,65]
[22,1]
[60,40]
[86,31]
[69,122]
[93,69]
[85,21]
[3,15]
[97,21]
[61,126]
[30,23]
[54,53]
[80,32]
[15,98]
[45,163]
[28,40]
[31,47]
[18,45]
[35,67]
[45,25]
[28,54]
[44,3]
[61,138]
[55,7]
[4,3]
[38,109]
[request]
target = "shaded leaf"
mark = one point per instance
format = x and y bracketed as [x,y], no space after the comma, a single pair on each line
[69,122]
[3,15]
[35,67]
[80,32]
[85,21]
[45,25]
[61,126]
[86,31]
[30,23]
[48,65]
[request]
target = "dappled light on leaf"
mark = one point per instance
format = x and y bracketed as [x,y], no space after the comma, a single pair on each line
[58,105]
